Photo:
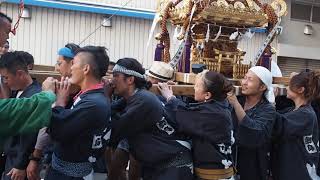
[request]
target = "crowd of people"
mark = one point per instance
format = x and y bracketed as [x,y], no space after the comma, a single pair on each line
[100,117]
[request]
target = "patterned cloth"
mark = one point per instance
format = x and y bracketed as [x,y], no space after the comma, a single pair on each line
[183,159]
[70,168]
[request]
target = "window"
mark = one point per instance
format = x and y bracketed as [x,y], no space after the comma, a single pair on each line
[316,14]
[306,10]
[289,65]
[301,12]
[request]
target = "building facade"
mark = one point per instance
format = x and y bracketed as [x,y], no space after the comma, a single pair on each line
[52,24]
[299,44]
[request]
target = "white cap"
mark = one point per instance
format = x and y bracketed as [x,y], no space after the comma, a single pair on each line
[265,76]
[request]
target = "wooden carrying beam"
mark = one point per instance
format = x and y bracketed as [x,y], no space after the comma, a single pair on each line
[189,78]
[179,90]
[188,90]
[38,67]
[40,76]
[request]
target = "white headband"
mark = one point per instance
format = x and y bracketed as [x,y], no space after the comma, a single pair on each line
[121,69]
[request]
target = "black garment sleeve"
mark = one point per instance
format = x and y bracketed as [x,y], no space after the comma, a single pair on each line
[69,123]
[256,130]
[116,107]
[26,141]
[174,103]
[171,108]
[26,146]
[294,124]
[139,115]
[211,126]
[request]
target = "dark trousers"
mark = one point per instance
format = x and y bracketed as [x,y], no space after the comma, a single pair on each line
[56,175]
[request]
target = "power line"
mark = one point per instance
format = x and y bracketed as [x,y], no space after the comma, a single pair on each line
[119,9]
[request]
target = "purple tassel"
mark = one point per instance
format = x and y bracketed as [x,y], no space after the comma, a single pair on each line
[187,57]
[266,61]
[184,63]
[158,55]
[181,65]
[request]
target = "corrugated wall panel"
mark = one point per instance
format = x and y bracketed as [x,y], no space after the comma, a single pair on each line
[143,4]
[289,65]
[50,29]
[252,46]
[139,4]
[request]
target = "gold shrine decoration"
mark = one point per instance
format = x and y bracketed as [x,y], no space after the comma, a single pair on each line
[216,26]
[280,6]
[222,14]
[220,11]
[227,63]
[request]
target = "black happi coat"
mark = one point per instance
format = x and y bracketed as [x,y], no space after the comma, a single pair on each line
[18,148]
[295,150]
[316,107]
[78,133]
[210,126]
[142,121]
[253,137]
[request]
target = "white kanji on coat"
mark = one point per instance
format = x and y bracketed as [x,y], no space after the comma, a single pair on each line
[309,144]
[97,142]
[163,125]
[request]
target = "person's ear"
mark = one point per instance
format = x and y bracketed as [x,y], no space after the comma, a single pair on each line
[300,90]
[86,69]
[263,88]
[130,80]
[208,96]
[20,73]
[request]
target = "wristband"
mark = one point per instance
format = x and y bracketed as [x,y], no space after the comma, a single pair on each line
[33,158]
